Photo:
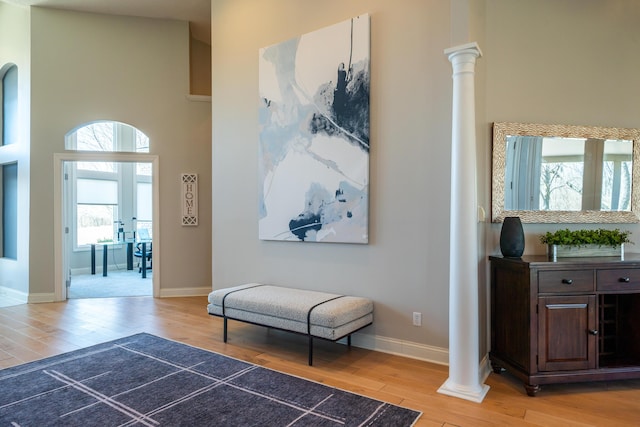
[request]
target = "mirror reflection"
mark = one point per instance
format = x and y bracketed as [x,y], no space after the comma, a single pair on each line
[565,174]
[568,174]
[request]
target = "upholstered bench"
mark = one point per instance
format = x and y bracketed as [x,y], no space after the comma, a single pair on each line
[315,314]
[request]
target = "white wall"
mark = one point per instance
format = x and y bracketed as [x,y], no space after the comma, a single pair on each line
[14,48]
[405,266]
[88,67]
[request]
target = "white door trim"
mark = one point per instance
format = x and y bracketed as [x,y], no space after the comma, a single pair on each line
[60,290]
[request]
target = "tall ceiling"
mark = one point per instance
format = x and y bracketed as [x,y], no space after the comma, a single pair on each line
[197,12]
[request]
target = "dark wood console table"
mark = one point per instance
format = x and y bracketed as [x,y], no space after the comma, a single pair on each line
[571,320]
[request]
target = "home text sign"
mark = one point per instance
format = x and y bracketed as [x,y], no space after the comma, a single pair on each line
[189,199]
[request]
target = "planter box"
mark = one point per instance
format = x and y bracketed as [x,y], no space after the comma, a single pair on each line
[564,251]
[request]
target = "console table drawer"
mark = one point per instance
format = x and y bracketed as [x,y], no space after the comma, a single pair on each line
[564,281]
[618,280]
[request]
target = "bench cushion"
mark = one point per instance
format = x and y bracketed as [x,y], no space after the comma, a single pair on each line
[287,308]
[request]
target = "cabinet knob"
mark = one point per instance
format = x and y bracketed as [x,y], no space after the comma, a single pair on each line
[567,281]
[593,331]
[624,279]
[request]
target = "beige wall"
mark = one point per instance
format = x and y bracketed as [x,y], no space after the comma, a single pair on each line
[199,67]
[88,67]
[14,49]
[404,268]
[545,61]
[571,62]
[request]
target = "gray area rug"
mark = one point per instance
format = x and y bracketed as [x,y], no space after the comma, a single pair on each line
[151,381]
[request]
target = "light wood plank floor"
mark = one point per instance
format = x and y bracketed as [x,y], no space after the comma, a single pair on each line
[34,331]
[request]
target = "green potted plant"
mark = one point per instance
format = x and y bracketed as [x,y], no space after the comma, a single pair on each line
[580,243]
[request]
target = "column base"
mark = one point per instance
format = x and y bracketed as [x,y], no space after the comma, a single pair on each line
[474,394]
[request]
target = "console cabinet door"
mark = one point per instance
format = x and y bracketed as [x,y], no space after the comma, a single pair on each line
[567,333]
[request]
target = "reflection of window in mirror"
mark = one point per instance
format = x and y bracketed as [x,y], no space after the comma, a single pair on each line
[567,174]
[561,176]
[616,176]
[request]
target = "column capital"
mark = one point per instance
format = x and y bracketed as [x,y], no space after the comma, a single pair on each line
[467,48]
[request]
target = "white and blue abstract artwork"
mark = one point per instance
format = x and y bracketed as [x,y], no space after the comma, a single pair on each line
[314,136]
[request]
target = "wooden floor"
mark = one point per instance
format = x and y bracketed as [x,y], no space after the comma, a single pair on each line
[34,331]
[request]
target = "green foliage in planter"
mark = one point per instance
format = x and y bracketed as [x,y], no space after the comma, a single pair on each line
[600,237]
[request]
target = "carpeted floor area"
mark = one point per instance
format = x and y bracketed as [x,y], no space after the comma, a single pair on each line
[151,381]
[118,283]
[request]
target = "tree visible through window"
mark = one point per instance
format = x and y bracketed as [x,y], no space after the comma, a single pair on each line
[110,196]
[9,106]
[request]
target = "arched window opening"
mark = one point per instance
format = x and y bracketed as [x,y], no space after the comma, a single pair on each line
[107,136]
[9,105]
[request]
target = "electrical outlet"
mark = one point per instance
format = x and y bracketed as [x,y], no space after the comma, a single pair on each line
[417,319]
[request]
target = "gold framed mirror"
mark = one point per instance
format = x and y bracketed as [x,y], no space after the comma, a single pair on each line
[565,174]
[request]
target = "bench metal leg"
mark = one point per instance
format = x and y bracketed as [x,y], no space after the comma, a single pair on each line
[310,350]
[349,340]
[225,329]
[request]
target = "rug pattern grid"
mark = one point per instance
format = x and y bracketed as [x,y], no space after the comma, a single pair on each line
[151,381]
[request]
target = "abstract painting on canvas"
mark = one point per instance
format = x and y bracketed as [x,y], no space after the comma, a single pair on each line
[314,135]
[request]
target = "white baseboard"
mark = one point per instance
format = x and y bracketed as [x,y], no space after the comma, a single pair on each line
[26,298]
[485,368]
[41,298]
[16,296]
[427,353]
[403,348]
[184,292]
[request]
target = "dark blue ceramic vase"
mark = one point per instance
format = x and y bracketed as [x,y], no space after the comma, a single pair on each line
[512,237]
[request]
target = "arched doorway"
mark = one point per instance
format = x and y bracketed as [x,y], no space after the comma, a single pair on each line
[107,202]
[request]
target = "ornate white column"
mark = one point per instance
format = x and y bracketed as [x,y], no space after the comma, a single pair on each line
[464,360]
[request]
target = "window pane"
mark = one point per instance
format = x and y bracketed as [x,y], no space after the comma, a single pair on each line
[143,169]
[561,174]
[95,223]
[616,186]
[617,175]
[109,167]
[9,212]
[9,105]
[145,208]
[95,137]
[561,186]
[97,191]
[107,136]
[142,142]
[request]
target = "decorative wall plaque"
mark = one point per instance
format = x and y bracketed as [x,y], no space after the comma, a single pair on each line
[189,199]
